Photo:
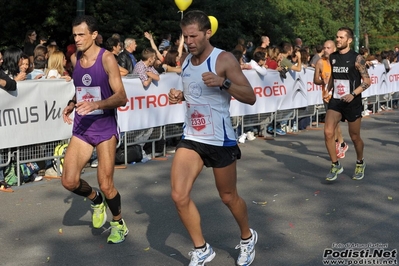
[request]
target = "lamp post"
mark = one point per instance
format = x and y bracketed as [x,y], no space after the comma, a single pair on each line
[80,7]
[357,25]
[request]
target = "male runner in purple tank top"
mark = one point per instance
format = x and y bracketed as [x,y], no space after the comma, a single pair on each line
[99,91]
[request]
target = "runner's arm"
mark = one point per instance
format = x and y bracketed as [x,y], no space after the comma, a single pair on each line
[362,68]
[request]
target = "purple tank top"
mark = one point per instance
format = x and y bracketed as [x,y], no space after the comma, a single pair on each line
[91,84]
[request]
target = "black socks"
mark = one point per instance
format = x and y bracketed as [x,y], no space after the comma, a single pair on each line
[246,238]
[203,247]
[98,199]
[120,221]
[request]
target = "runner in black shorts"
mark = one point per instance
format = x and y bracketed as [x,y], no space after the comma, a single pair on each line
[349,79]
[210,77]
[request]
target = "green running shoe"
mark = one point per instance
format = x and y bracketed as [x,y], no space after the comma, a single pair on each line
[359,171]
[336,169]
[99,214]
[118,232]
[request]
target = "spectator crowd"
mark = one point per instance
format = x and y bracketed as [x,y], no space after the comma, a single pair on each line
[41,58]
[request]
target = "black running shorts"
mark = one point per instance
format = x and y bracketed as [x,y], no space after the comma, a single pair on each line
[212,156]
[349,111]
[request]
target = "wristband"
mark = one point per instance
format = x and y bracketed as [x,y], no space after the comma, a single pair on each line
[353,94]
[71,101]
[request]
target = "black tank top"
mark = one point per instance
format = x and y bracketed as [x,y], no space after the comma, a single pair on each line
[343,68]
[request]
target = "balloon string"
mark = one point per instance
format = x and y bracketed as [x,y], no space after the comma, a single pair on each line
[181,14]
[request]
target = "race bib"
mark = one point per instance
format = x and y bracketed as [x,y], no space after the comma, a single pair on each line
[341,88]
[200,120]
[89,94]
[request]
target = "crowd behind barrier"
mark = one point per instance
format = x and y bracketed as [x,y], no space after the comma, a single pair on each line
[31,122]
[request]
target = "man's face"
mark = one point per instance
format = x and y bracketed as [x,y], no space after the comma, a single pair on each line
[328,48]
[195,39]
[342,40]
[118,48]
[83,38]
[133,45]
[1,59]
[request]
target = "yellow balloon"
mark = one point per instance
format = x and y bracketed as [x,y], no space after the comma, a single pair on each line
[183,4]
[214,24]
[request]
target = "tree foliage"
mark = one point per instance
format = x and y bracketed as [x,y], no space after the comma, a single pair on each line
[282,20]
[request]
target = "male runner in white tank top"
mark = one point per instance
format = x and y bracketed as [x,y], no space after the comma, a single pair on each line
[210,78]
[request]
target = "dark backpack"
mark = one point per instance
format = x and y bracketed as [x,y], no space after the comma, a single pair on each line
[134,154]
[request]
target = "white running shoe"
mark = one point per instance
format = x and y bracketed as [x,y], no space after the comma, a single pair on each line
[250,136]
[242,138]
[201,256]
[247,250]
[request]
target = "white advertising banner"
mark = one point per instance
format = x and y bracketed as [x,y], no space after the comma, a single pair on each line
[382,82]
[33,113]
[150,107]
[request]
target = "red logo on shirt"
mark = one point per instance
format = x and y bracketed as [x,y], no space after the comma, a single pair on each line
[340,89]
[87,97]
[198,121]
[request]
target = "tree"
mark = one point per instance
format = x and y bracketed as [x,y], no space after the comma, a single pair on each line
[282,20]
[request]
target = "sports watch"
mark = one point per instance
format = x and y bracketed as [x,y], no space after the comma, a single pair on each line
[226,84]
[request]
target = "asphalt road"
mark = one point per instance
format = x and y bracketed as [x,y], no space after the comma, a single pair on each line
[297,215]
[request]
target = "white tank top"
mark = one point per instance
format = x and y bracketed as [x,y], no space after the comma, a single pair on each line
[207,117]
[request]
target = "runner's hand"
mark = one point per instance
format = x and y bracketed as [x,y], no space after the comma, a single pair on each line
[175,96]
[212,80]
[65,114]
[83,108]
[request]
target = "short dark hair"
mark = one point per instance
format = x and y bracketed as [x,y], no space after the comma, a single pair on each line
[111,43]
[319,48]
[91,22]
[196,17]
[286,47]
[259,56]
[349,31]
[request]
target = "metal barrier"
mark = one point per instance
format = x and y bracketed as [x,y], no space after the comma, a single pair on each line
[173,130]
[261,120]
[394,100]
[283,115]
[30,153]
[320,110]
[143,136]
[389,99]
[45,151]
[371,100]
[5,157]
[308,111]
